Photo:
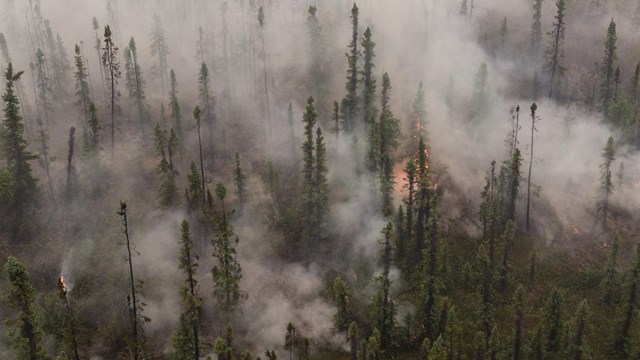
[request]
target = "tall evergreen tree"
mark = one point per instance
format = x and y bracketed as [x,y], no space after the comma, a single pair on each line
[159,50]
[553,314]
[368,79]
[207,104]
[349,105]
[44,90]
[261,21]
[608,67]
[341,294]
[226,271]
[136,83]
[112,69]
[20,296]
[44,159]
[536,30]
[518,299]
[186,340]
[17,157]
[83,92]
[383,304]
[606,184]
[534,118]
[193,193]
[555,51]
[241,186]
[196,116]
[578,346]
[389,135]
[309,118]
[71,169]
[622,339]
[176,114]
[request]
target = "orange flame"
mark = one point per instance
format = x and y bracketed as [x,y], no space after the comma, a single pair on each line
[575,231]
[62,285]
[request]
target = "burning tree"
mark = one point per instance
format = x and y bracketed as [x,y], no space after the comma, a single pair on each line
[62,292]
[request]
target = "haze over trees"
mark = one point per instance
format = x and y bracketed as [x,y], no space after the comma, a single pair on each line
[239,180]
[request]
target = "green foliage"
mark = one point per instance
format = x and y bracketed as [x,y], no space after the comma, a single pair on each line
[20,296]
[608,67]
[341,295]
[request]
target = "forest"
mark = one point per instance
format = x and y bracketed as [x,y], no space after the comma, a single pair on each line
[320,180]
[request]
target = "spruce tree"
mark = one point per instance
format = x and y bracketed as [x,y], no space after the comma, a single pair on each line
[17,157]
[186,340]
[241,186]
[207,104]
[261,21]
[20,296]
[555,51]
[196,115]
[534,118]
[368,79]
[44,90]
[622,338]
[82,85]
[112,69]
[91,133]
[309,118]
[321,188]
[554,323]
[176,114]
[226,271]
[606,184]
[136,83]
[581,321]
[71,169]
[518,299]
[389,141]
[159,50]
[193,193]
[383,304]
[341,294]
[608,67]
[349,105]
[536,30]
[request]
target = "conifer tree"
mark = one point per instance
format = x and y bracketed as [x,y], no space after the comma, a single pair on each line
[135,306]
[71,169]
[17,156]
[349,105]
[159,50]
[91,133]
[518,299]
[555,51]
[261,21]
[606,185]
[20,295]
[166,140]
[45,160]
[241,186]
[176,114]
[389,140]
[196,116]
[112,69]
[622,339]
[309,118]
[508,237]
[317,70]
[136,83]
[608,71]
[578,347]
[353,340]
[534,118]
[193,192]
[536,30]
[341,294]
[207,104]
[368,79]
[98,48]
[44,90]
[504,31]
[553,314]
[226,271]
[82,85]
[321,187]
[383,304]
[186,340]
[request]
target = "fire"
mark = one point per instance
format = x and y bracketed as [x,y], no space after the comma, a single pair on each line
[605,245]
[575,231]
[62,286]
